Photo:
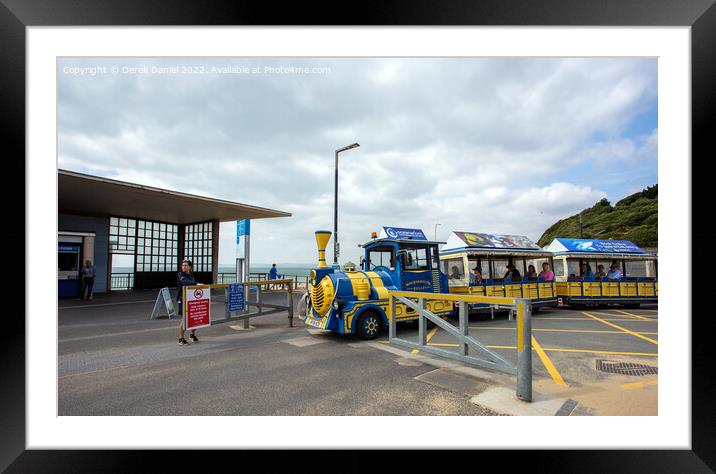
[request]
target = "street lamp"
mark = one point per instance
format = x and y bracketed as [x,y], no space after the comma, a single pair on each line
[335,204]
[436,232]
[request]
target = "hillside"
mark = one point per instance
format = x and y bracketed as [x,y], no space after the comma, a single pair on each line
[633,218]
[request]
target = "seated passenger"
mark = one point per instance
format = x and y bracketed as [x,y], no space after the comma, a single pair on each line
[512,273]
[455,273]
[600,272]
[614,273]
[587,273]
[546,274]
[476,276]
[531,272]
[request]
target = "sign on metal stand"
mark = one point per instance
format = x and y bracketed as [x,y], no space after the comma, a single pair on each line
[243,251]
[197,308]
[235,297]
[165,297]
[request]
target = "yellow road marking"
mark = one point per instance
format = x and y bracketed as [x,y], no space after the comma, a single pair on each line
[559,349]
[564,330]
[592,351]
[428,337]
[547,363]
[619,327]
[652,320]
[629,386]
[630,314]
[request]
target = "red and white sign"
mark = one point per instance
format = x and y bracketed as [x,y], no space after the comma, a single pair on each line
[198,308]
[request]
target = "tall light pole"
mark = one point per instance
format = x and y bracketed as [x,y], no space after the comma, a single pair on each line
[436,232]
[335,204]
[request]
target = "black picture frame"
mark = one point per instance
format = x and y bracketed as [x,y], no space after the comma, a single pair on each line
[700,15]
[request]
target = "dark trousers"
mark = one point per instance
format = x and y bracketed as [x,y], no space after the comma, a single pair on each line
[87,285]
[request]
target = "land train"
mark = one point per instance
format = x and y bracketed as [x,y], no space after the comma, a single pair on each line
[355,300]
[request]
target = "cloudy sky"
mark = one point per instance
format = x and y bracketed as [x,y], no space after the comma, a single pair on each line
[475,144]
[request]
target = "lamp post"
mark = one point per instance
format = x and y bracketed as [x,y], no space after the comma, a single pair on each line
[335,204]
[436,232]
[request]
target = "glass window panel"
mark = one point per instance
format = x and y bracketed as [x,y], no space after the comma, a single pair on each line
[122,241]
[131,222]
[636,269]
[162,227]
[130,231]
[113,221]
[122,231]
[113,230]
[155,267]
[140,232]
[123,222]
[573,268]
[500,267]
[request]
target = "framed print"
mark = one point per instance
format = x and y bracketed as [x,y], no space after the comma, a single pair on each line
[151,83]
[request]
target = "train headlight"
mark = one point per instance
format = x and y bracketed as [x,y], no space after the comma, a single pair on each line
[338,305]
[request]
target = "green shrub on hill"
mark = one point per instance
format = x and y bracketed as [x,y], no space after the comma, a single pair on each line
[633,218]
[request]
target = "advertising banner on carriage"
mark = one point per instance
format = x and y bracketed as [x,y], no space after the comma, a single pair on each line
[198,308]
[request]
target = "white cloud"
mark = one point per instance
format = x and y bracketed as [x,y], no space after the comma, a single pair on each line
[470,143]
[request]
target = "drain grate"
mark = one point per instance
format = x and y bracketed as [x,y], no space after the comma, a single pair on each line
[625,368]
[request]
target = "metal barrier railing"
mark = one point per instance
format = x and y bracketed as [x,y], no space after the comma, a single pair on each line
[489,359]
[121,281]
[257,303]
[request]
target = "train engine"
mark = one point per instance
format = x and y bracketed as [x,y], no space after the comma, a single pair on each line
[355,301]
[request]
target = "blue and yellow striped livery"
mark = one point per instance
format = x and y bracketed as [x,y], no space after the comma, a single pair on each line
[355,300]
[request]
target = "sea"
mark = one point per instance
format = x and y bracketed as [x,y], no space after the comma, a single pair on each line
[294,269]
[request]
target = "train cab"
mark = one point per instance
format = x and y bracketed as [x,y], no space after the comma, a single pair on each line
[498,265]
[355,300]
[591,271]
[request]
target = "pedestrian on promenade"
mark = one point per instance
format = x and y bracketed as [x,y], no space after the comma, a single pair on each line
[273,274]
[185,278]
[88,274]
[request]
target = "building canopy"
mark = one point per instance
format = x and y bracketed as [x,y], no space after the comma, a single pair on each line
[88,195]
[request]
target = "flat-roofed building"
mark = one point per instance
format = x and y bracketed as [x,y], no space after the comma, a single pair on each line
[99,218]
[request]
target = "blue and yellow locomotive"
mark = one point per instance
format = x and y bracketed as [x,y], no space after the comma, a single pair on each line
[355,301]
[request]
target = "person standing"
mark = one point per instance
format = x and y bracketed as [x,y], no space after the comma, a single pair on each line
[185,278]
[88,274]
[273,273]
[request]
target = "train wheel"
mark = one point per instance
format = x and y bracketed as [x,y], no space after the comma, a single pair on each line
[369,326]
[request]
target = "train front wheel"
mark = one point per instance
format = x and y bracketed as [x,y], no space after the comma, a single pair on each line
[369,326]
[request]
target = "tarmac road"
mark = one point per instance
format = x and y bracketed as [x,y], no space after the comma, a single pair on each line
[114,361]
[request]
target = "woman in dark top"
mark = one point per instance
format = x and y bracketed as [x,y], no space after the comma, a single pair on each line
[185,278]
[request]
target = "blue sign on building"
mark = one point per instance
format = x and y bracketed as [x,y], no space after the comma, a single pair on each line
[606,246]
[400,233]
[235,300]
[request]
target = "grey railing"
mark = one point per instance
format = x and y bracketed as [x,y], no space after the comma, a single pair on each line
[121,281]
[483,357]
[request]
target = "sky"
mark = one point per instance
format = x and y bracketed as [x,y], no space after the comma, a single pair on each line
[493,145]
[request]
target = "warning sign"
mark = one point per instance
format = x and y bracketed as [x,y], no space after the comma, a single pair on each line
[198,308]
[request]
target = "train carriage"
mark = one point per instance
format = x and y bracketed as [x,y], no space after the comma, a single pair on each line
[491,254]
[577,265]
